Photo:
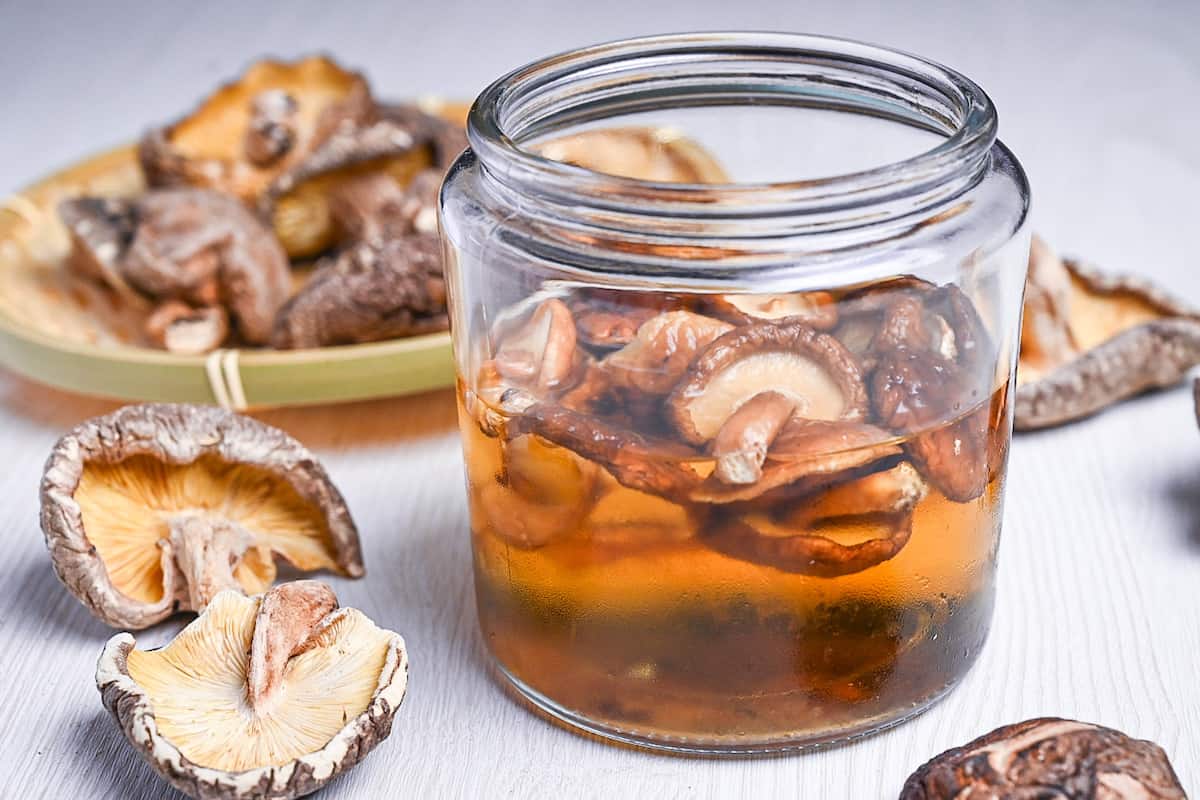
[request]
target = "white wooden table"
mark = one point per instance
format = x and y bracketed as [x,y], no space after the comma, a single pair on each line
[1099,604]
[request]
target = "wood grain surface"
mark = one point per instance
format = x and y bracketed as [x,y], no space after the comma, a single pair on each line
[1099,603]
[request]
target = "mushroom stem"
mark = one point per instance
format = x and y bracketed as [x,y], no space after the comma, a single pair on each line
[288,617]
[206,550]
[743,440]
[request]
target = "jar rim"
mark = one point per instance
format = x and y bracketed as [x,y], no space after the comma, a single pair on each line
[521,105]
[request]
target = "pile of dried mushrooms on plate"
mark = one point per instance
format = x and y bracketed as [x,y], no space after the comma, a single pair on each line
[290,209]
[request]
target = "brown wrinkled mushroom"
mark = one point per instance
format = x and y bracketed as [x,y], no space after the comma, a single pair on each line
[155,508]
[645,463]
[206,248]
[367,293]
[179,328]
[919,392]
[818,309]
[1045,758]
[541,353]
[649,154]
[1090,340]
[608,319]
[217,145]
[375,207]
[101,230]
[191,245]
[862,313]
[812,369]
[543,491]
[807,456]
[440,127]
[907,323]
[260,697]
[285,135]
[661,351]
[298,201]
[807,542]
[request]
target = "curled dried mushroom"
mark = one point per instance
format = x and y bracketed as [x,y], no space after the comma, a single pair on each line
[1048,757]
[914,393]
[188,245]
[1089,340]
[260,697]
[807,456]
[810,368]
[542,492]
[367,293]
[662,349]
[218,145]
[101,230]
[851,527]
[298,202]
[285,136]
[645,463]
[155,508]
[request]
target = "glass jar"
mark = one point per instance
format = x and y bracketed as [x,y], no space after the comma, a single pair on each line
[735,407]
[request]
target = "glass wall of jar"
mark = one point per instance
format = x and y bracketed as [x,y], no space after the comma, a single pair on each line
[735,322]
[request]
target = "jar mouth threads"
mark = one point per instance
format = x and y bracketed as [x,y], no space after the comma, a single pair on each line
[711,69]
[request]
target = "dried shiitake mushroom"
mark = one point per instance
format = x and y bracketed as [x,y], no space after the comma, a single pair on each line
[649,154]
[918,392]
[804,457]
[608,319]
[190,245]
[542,492]
[662,349]
[293,106]
[285,135]
[645,463]
[808,540]
[269,696]
[1048,758]
[541,353]
[298,201]
[372,291]
[101,230]
[1089,340]
[155,508]
[810,368]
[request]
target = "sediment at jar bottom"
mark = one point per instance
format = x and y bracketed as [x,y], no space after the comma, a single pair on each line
[745,673]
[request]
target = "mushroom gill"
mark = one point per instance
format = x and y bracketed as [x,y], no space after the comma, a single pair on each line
[130,508]
[197,686]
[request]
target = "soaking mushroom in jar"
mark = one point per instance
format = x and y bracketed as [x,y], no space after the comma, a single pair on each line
[735,407]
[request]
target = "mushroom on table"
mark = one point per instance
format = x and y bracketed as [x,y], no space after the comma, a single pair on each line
[1048,757]
[269,696]
[1090,339]
[156,508]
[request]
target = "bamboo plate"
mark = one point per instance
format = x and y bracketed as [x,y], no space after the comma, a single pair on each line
[62,332]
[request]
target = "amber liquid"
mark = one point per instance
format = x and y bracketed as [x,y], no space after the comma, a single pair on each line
[628,619]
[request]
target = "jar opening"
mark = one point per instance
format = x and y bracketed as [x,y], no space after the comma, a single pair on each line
[708,70]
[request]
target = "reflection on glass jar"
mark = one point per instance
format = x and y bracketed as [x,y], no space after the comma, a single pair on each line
[735,450]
